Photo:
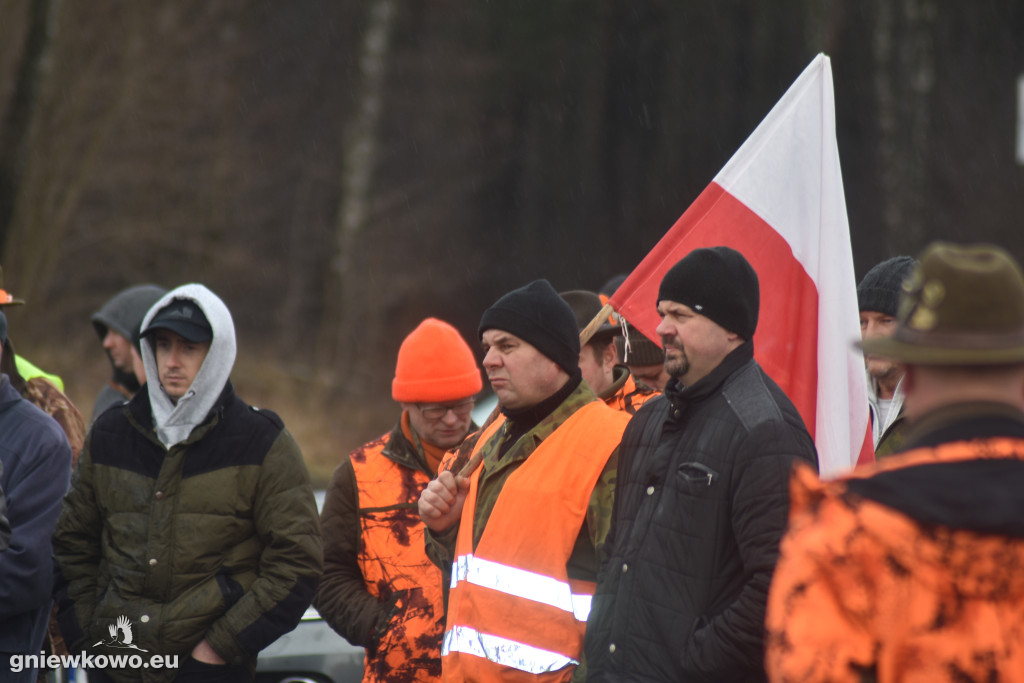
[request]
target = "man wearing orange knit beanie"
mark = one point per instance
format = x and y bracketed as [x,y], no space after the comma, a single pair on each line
[378,588]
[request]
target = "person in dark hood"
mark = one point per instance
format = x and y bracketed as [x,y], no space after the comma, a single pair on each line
[117,324]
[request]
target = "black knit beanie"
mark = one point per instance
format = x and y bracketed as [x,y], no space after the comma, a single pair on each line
[880,289]
[536,314]
[718,283]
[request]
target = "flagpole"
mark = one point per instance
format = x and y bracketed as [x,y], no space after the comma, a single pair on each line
[587,332]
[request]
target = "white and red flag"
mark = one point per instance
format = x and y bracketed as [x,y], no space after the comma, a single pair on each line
[779,201]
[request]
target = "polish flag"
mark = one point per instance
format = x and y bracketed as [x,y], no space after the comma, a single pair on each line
[779,201]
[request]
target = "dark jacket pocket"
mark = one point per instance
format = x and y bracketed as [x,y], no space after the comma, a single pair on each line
[697,473]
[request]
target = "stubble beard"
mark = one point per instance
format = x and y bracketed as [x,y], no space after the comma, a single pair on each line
[679,365]
[885,370]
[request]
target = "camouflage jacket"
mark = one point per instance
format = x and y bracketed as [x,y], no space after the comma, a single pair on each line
[909,569]
[624,394]
[378,588]
[44,395]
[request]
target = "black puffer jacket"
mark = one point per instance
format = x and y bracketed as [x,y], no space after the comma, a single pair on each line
[700,507]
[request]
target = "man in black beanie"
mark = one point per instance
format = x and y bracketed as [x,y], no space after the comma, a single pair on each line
[702,494]
[523,532]
[878,297]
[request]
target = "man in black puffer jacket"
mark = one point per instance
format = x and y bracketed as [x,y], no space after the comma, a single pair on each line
[702,499]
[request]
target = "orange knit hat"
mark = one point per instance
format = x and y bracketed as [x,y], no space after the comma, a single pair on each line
[435,364]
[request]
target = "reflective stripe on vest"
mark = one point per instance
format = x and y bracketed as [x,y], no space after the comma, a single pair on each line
[502,651]
[513,610]
[521,583]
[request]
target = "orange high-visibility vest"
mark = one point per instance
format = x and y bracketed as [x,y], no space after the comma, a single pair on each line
[393,557]
[513,612]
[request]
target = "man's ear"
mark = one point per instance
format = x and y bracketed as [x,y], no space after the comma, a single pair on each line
[609,356]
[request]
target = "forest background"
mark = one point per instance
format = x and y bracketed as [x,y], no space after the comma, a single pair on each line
[337,170]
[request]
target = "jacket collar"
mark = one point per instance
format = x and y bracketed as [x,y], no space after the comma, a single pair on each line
[400,450]
[979,494]
[621,374]
[964,422]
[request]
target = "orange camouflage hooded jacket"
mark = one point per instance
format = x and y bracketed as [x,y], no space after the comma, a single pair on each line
[911,570]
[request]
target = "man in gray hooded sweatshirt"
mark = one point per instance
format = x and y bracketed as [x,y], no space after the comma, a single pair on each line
[190,515]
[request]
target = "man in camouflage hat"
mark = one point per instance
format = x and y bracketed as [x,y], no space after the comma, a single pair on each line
[910,569]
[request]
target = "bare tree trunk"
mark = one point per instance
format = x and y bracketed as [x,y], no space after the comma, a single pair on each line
[56,176]
[346,283]
[904,51]
[14,131]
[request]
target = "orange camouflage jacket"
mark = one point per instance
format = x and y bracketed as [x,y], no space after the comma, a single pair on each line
[624,395]
[910,570]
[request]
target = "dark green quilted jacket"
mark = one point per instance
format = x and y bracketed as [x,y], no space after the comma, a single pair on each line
[216,538]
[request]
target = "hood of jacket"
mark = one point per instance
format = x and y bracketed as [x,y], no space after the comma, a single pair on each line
[175,421]
[123,314]
[125,311]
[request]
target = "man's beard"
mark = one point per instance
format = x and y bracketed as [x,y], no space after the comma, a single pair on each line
[885,370]
[679,365]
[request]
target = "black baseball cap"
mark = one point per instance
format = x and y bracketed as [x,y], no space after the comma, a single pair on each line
[183,317]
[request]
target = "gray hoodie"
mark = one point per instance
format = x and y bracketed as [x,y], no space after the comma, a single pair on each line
[174,422]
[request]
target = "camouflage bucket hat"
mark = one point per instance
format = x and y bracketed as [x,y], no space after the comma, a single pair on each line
[962,305]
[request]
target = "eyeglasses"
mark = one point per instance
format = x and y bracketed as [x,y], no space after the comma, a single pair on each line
[436,412]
